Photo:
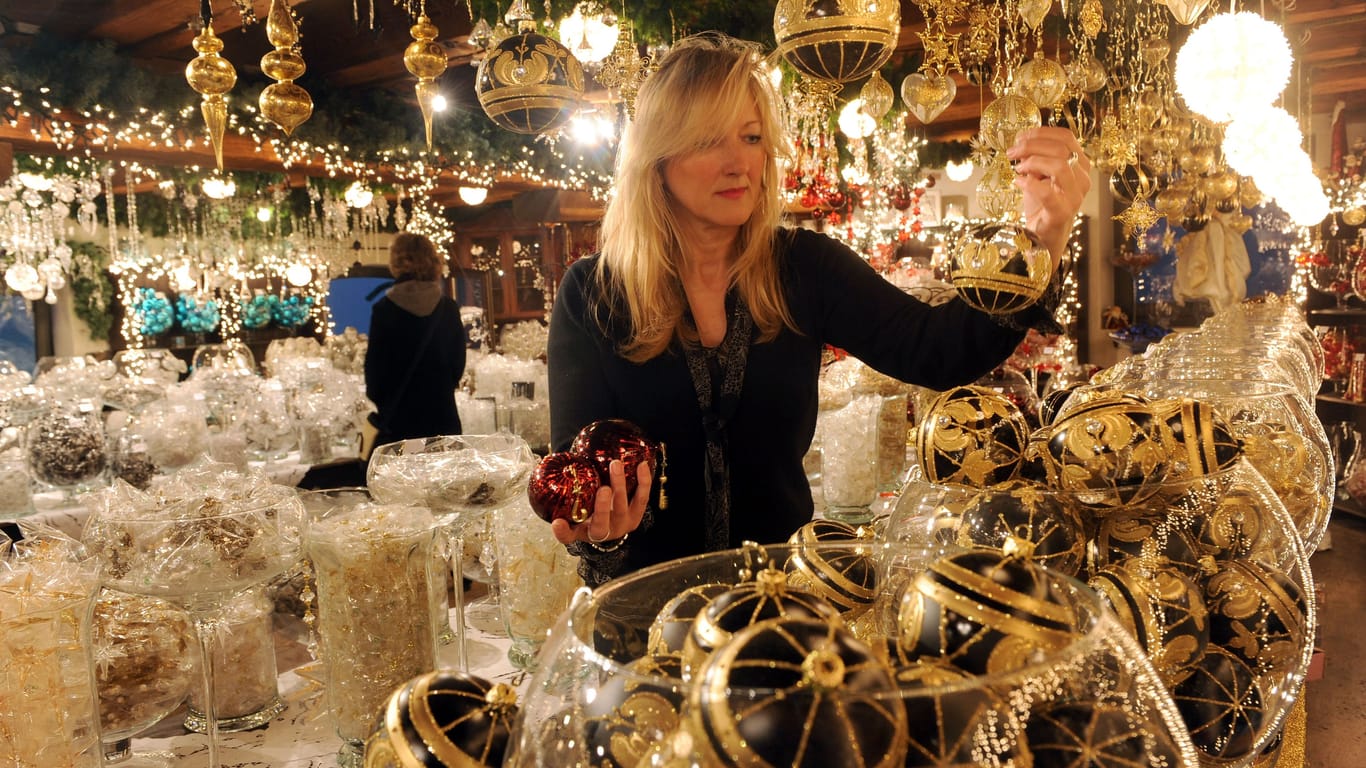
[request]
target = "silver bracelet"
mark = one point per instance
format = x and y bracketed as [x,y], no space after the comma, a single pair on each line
[608,546]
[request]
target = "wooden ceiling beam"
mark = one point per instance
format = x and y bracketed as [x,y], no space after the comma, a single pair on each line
[1331,11]
[178,38]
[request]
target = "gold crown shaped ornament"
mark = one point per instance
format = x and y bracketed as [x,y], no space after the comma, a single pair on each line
[529,83]
[836,40]
[425,60]
[284,103]
[211,76]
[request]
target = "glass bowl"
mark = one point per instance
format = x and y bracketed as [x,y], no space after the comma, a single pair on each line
[800,692]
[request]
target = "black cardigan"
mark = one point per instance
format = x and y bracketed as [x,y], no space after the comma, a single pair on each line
[427,407]
[835,298]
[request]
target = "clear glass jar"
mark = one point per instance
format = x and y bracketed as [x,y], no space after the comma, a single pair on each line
[246,691]
[131,461]
[849,459]
[528,417]
[16,486]
[372,640]
[66,447]
[176,432]
[539,577]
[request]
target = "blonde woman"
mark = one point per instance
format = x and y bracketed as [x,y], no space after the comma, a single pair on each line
[702,319]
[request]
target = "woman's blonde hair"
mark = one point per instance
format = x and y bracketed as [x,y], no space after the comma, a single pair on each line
[413,256]
[701,88]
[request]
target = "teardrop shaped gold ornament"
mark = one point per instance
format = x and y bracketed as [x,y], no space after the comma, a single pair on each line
[211,76]
[284,103]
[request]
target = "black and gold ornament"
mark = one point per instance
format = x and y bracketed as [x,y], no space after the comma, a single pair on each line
[1108,452]
[1051,404]
[1163,609]
[1221,705]
[1001,268]
[971,435]
[950,723]
[1148,537]
[1258,613]
[443,719]
[669,630]
[633,710]
[984,612]
[529,83]
[1237,527]
[797,692]
[1201,441]
[1096,735]
[847,577]
[836,40]
[767,597]
[1022,511]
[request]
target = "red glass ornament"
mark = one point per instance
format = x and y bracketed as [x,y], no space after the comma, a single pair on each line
[792,182]
[901,197]
[564,486]
[608,440]
[809,199]
[836,200]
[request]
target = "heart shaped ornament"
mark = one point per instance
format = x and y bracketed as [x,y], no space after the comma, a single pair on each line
[1033,11]
[927,96]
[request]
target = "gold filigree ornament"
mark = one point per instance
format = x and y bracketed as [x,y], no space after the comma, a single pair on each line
[857,38]
[211,76]
[1034,11]
[1138,217]
[529,83]
[877,96]
[284,103]
[1092,18]
[928,94]
[1005,117]
[997,195]
[1041,80]
[1087,74]
[426,60]
[1354,216]
[941,50]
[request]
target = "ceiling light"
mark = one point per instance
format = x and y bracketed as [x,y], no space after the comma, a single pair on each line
[1232,63]
[298,274]
[589,37]
[34,181]
[959,171]
[263,214]
[854,122]
[473,195]
[358,195]
[439,103]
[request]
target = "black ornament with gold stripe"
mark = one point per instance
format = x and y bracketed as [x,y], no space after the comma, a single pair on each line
[951,723]
[971,435]
[669,630]
[1236,527]
[1096,735]
[633,710]
[1148,537]
[797,692]
[1258,613]
[1162,609]
[1000,268]
[984,612]
[845,576]
[767,597]
[443,718]
[1023,511]
[1201,440]
[1222,706]
[836,41]
[529,83]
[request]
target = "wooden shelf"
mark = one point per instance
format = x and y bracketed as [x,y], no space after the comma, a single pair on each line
[1340,401]
[1349,506]
[1329,315]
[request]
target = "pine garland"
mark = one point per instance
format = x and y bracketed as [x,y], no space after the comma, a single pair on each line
[91,286]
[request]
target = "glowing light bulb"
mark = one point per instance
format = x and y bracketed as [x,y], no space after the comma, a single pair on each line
[959,171]
[298,275]
[473,195]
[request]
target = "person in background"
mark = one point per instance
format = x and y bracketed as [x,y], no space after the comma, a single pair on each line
[416,354]
[702,319]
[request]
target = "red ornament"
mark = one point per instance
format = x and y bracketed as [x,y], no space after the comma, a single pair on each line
[809,198]
[608,440]
[564,486]
[836,200]
[901,197]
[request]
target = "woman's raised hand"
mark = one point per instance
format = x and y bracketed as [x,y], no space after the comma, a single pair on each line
[1054,175]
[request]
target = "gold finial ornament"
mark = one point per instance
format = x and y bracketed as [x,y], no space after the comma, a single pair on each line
[211,76]
[284,103]
[836,40]
[1092,18]
[425,60]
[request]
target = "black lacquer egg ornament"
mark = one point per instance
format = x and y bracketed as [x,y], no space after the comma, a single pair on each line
[443,719]
[985,612]
[608,440]
[1257,613]
[669,630]
[1222,706]
[564,486]
[1024,511]
[799,693]
[1202,442]
[971,435]
[1096,735]
[633,710]
[1001,268]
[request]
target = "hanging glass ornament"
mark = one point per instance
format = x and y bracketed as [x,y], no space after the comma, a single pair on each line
[426,60]
[529,83]
[877,96]
[1006,116]
[284,103]
[1034,11]
[836,41]
[1041,80]
[1092,18]
[1187,11]
[928,95]
[211,76]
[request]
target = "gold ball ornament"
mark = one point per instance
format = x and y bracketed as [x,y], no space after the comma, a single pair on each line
[1196,160]
[529,84]
[443,719]
[1257,613]
[283,64]
[800,693]
[1133,182]
[1354,216]
[669,630]
[927,95]
[1005,117]
[984,612]
[286,104]
[1108,452]
[1222,185]
[1041,80]
[1087,74]
[633,710]
[1170,203]
[1163,610]
[1000,268]
[877,96]
[1248,194]
[836,40]
[971,435]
